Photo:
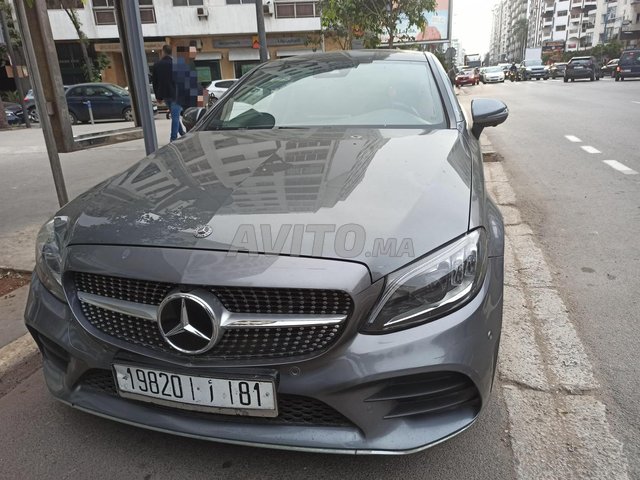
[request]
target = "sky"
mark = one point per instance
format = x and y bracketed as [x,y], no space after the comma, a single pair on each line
[472,24]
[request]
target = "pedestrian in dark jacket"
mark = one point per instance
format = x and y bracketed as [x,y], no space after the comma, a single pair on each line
[165,88]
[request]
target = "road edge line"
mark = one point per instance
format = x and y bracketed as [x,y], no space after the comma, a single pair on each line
[18,360]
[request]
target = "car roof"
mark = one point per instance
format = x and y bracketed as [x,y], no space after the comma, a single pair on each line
[581,58]
[362,55]
[94,84]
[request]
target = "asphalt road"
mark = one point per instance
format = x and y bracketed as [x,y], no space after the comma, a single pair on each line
[586,216]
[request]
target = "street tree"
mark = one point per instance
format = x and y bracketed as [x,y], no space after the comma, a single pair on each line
[519,34]
[3,116]
[349,19]
[388,15]
[69,7]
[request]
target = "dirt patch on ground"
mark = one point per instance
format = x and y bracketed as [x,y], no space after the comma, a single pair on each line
[11,280]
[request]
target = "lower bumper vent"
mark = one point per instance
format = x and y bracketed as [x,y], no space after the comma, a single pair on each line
[292,409]
[428,394]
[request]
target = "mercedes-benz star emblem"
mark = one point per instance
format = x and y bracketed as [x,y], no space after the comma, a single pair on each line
[203,231]
[188,323]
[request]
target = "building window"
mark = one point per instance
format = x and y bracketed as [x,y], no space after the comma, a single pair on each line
[104,13]
[187,3]
[239,2]
[562,13]
[297,9]
[561,28]
[58,4]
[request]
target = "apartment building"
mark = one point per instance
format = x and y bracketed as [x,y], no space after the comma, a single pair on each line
[567,25]
[224,31]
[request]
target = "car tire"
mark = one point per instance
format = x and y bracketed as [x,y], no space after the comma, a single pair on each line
[127,114]
[73,118]
[592,77]
[565,79]
[573,79]
[33,115]
[537,79]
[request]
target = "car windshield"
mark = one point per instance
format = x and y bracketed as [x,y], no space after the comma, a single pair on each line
[340,92]
[493,70]
[629,58]
[533,63]
[581,61]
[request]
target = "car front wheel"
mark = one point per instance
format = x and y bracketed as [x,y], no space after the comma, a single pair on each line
[33,115]
[127,114]
[566,79]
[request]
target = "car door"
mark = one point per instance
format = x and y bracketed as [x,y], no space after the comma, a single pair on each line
[75,103]
[104,103]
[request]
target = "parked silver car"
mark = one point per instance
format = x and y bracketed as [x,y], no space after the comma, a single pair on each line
[316,266]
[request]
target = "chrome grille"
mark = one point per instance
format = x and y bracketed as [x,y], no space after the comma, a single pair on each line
[235,299]
[236,344]
[292,409]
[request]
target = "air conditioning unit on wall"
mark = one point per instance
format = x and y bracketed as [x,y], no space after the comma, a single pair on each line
[202,13]
[267,8]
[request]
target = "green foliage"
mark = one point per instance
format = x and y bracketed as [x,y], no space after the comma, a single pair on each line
[6,7]
[11,96]
[607,51]
[345,20]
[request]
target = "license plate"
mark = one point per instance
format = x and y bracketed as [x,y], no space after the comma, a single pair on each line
[579,67]
[206,394]
[627,71]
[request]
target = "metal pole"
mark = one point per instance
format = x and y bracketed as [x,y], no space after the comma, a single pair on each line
[41,104]
[14,69]
[262,34]
[133,47]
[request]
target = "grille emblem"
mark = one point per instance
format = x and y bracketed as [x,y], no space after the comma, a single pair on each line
[203,231]
[188,323]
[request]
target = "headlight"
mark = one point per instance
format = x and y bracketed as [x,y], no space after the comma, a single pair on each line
[49,254]
[432,286]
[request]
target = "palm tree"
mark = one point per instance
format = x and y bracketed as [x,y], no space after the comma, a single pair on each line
[3,117]
[519,34]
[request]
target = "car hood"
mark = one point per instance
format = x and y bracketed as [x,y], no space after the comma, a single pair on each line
[376,196]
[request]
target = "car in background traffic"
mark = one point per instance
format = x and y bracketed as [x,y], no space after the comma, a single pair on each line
[582,67]
[534,68]
[14,113]
[217,88]
[467,77]
[610,67]
[492,75]
[557,69]
[629,65]
[107,101]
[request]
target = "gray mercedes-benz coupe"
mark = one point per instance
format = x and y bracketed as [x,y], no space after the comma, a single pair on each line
[317,266]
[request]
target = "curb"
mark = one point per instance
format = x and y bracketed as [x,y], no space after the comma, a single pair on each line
[489,153]
[18,360]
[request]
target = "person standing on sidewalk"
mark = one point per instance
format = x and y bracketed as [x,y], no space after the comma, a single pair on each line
[185,77]
[165,88]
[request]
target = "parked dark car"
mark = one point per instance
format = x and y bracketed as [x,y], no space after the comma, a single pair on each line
[557,70]
[152,304]
[610,67]
[582,67]
[30,105]
[529,69]
[108,101]
[629,65]
[14,113]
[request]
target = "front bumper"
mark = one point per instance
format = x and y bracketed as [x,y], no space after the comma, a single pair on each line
[347,379]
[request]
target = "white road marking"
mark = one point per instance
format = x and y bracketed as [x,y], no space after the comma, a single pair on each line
[557,419]
[573,139]
[620,167]
[633,101]
[590,149]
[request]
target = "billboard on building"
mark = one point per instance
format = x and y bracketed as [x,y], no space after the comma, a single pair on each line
[436,30]
[552,50]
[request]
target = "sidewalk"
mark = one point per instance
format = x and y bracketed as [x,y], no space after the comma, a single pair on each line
[27,194]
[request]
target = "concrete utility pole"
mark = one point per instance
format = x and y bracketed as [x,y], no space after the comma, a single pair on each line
[12,54]
[262,34]
[38,88]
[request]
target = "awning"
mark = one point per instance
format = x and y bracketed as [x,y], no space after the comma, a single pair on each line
[243,54]
[208,56]
[292,53]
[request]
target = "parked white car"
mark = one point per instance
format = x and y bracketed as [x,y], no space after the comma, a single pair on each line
[492,75]
[218,87]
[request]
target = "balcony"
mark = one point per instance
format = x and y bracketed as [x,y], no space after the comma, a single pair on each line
[575,18]
[547,22]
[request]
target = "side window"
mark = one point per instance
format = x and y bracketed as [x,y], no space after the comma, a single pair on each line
[75,92]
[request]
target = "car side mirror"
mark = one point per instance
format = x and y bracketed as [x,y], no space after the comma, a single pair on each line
[487,112]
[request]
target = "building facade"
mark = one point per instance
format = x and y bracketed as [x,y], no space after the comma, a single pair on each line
[564,25]
[224,32]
